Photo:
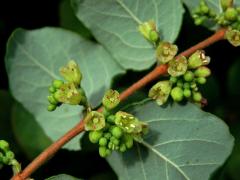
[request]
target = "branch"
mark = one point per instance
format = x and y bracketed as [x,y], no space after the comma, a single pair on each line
[154,74]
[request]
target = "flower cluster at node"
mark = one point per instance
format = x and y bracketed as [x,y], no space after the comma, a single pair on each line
[69,92]
[229,17]
[185,77]
[113,131]
[7,157]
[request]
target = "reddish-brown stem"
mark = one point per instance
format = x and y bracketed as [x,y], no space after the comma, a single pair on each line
[154,74]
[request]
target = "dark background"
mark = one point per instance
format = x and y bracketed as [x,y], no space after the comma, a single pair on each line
[222,90]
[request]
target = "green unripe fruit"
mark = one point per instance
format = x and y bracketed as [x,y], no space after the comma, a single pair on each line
[199,20]
[57,83]
[103,141]
[204,9]
[180,83]
[10,155]
[5,160]
[201,80]
[231,14]
[129,143]
[197,97]
[4,145]
[114,141]
[107,135]
[94,136]
[186,85]
[173,79]
[111,119]
[51,89]
[122,148]
[116,131]
[52,100]
[153,36]
[103,151]
[193,85]
[51,107]
[202,71]
[177,94]
[188,76]
[187,93]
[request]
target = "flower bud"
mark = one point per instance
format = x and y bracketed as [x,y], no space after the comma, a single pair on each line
[201,80]
[103,151]
[198,59]
[4,145]
[51,107]
[51,89]
[197,96]
[103,141]
[187,93]
[68,94]
[116,132]
[231,14]
[160,92]
[94,121]
[202,71]
[233,36]
[188,76]
[166,52]
[71,73]
[226,4]
[94,136]
[177,67]
[111,99]
[177,94]
[148,30]
[57,83]
[52,100]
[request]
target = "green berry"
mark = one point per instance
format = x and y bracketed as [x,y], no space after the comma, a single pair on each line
[103,141]
[10,155]
[180,83]
[4,145]
[122,148]
[117,132]
[129,143]
[231,14]
[52,100]
[202,71]
[51,89]
[153,36]
[198,21]
[188,76]
[173,79]
[193,85]
[107,135]
[197,97]
[114,140]
[103,151]
[177,94]
[201,80]
[51,107]
[111,119]
[186,85]
[204,9]
[94,136]
[57,83]
[187,93]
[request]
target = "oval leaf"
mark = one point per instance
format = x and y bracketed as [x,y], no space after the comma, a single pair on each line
[114,23]
[183,143]
[33,60]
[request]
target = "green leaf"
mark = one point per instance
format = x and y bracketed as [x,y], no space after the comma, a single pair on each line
[183,143]
[25,128]
[68,20]
[62,177]
[33,60]
[114,23]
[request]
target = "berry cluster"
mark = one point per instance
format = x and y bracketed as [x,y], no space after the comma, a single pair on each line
[113,131]
[185,76]
[229,17]
[68,92]
[7,157]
